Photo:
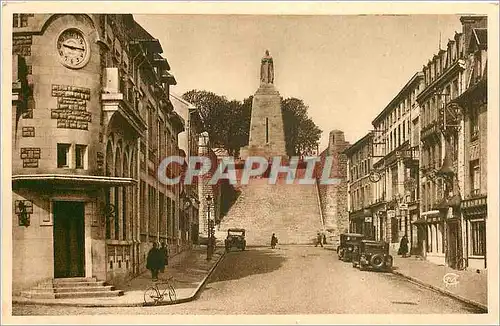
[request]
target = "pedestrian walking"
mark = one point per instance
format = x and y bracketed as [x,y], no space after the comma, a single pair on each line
[154,261]
[319,240]
[403,246]
[274,241]
[164,253]
[324,239]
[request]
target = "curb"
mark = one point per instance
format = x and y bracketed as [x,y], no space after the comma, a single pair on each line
[196,293]
[476,304]
[192,297]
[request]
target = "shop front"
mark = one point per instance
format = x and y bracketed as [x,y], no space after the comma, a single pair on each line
[475,213]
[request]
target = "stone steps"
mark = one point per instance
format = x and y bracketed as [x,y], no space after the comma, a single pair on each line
[78,287]
[74,289]
[290,211]
[72,284]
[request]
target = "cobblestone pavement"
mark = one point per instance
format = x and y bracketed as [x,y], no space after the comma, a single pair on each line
[290,280]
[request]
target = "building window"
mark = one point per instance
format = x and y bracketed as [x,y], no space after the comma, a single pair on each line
[117,222]
[142,207]
[125,203]
[20,20]
[404,131]
[150,127]
[80,156]
[475,174]
[474,123]
[108,217]
[63,155]
[429,238]
[478,238]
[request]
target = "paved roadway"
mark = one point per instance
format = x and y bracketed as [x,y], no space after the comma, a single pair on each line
[291,280]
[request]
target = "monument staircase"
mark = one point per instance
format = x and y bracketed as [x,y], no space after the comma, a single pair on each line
[74,287]
[291,211]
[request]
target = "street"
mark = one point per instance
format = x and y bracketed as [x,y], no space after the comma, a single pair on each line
[290,280]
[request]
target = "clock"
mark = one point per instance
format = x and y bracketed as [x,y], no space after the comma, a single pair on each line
[72,49]
[374,176]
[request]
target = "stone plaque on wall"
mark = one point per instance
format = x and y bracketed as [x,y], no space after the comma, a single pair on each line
[21,44]
[71,112]
[28,131]
[30,157]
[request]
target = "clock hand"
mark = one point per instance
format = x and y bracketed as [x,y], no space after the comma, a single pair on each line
[73,47]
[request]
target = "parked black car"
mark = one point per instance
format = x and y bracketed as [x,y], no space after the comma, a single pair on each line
[347,243]
[372,254]
[235,238]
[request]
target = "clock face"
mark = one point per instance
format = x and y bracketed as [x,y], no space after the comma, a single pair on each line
[374,176]
[72,49]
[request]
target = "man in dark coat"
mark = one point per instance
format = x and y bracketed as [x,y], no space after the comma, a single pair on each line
[403,246]
[164,253]
[155,261]
[274,241]
[319,240]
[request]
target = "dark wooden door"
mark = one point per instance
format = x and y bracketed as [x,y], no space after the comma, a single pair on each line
[453,248]
[69,239]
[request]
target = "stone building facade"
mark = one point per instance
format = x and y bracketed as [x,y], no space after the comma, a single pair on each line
[429,155]
[395,164]
[188,144]
[473,178]
[333,198]
[360,187]
[91,119]
[449,144]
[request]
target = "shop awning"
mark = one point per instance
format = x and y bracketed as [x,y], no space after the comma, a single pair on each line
[70,180]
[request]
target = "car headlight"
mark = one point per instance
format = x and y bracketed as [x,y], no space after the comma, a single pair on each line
[350,249]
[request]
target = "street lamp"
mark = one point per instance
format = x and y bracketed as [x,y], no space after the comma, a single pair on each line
[209,230]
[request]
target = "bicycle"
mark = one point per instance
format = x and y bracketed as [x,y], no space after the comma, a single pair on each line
[156,293]
[460,264]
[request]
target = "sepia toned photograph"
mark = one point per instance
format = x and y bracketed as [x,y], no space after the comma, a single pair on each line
[223,161]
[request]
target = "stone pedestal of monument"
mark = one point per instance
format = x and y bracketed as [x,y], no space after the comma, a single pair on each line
[267,136]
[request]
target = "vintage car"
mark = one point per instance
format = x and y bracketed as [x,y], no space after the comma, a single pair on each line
[235,238]
[373,255]
[347,243]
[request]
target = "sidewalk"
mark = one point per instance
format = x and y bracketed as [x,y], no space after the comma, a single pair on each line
[190,275]
[469,287]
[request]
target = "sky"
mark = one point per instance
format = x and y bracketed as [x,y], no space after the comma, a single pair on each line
[345,68]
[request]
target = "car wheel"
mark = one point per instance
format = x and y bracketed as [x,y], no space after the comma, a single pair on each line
[377,261]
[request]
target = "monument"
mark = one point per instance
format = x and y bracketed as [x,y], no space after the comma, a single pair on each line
[267,136]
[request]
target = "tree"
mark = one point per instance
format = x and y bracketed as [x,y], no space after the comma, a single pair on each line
[228,122]
[301,133]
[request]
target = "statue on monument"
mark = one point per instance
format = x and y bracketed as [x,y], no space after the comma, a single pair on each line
[267,69]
